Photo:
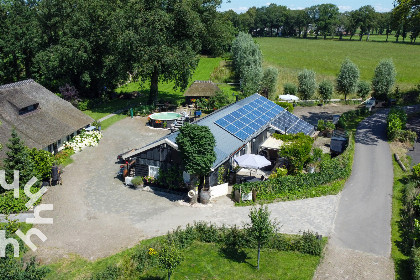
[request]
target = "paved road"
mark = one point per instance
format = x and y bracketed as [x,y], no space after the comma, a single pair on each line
[360,245]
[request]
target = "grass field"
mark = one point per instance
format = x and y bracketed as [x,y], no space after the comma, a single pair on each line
[201,261]
[291,55]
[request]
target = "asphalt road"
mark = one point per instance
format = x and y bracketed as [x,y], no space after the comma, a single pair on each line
[360,245]
[364,211]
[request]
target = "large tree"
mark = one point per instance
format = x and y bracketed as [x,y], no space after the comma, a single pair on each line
[327,19]
[384,79]
[164,41]
[196,144]
[366,17]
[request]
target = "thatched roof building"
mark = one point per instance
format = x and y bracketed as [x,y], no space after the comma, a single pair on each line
[42,119]
[201,89]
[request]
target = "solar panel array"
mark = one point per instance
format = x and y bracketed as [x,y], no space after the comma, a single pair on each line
[247,120]
[291,124]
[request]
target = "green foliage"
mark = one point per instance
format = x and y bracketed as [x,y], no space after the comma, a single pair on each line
[416,171]
[297,151]
[363,89]
[221,175]
[9,204]
[261,227]
[280,172]
[347,78]
[170,177]
[63,157]
[396,121]
[18,158]
[351,118]
[43,161]
[219,100]
[247,62]
[111,272]
[307,84]
[169,258]
[286,105]
[331,170]
[269,82]
[137,181]
[384,79]
[289,88]
[404,136]
[325,90]
[206,232]
[310,244]
[142,110]
[415,256]
[196,144]
[325,127]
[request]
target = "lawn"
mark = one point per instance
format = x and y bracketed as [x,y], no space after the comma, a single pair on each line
[291,55]
[202,261]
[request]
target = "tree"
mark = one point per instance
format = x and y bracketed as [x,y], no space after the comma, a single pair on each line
[247,62]
[327,19]
[383,79]
[297,151]
[307,84]
[325,90]
[366,16]
[363,89]
[18,159]
[169,258]
[269,82]
[43,161]
[347,78]
[196,144]
[164,39]
[261,227]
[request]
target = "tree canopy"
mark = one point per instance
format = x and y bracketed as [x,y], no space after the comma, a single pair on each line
[348,77]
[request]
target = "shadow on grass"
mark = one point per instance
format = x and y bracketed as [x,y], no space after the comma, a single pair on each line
[235,255]
[152,278]
[403,268]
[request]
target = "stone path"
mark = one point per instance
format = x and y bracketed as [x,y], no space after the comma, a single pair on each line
[360,245]
[95,215]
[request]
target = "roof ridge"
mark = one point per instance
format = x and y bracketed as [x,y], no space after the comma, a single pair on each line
[17,84]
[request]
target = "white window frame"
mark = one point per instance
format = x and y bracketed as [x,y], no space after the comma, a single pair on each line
[153,171]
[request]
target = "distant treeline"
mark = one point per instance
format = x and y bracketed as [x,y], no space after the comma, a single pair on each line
[326,20]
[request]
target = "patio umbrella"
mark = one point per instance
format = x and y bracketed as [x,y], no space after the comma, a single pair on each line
[289,97]
[252,161]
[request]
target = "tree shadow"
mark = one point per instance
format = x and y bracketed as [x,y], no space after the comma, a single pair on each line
[372,129]
[152,278]
[235,254]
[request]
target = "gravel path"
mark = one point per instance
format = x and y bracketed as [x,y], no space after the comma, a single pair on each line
[95,215]
[360,245]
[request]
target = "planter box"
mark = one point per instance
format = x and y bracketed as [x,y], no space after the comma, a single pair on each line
[219,190]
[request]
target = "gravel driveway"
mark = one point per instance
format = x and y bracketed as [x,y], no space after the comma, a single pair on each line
[95,215]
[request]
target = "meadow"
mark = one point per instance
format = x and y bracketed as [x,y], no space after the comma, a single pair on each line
[290,55]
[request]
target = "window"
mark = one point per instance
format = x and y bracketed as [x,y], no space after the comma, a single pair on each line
[28,109]
[153,171]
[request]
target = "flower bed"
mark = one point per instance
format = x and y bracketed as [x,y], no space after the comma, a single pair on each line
[84,139]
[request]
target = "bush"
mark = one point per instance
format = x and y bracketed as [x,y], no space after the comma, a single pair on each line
[84,105]
[310,244]
[43,161]
[63,155]
[145,256]
[9,204]
[396,121]
[219,100]
[325,90]
[286,105]
[137,181]
[307,84]
[297,152]
[384,79]
[325,126]
[415,257]
[289,88]
[183,238]
[363,89]
[416,171]
[405,136]
[207,232]
[349,116]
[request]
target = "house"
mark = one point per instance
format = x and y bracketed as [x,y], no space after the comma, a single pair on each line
[200,89]
[42,119]
[238,128]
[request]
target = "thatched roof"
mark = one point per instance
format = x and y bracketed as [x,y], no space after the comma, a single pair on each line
[202,89]
[53,119]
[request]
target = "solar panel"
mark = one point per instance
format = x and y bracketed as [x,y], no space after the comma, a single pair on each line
[247,120]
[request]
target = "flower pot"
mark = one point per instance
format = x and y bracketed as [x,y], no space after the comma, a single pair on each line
[205,196]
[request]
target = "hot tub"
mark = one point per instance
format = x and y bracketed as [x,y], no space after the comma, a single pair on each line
[164,119]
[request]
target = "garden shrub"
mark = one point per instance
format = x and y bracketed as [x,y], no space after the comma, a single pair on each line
[363,89]
[286,105]
[396,120]
[416,171]
[219,100]
[207,232]
[183,238]
[405,136]
[137,181]
[84,105]
[297,151]
[63,155]
[43,161]
[333,169]
[9,204]
[349,116]
[142,110]
[289,88]
[415,263]
[144,256]
[234,239]
[325,126]
[310,244]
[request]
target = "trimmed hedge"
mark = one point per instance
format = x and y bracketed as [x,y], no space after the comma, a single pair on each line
[337,168]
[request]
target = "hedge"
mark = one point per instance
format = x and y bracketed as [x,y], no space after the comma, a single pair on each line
[331,170]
